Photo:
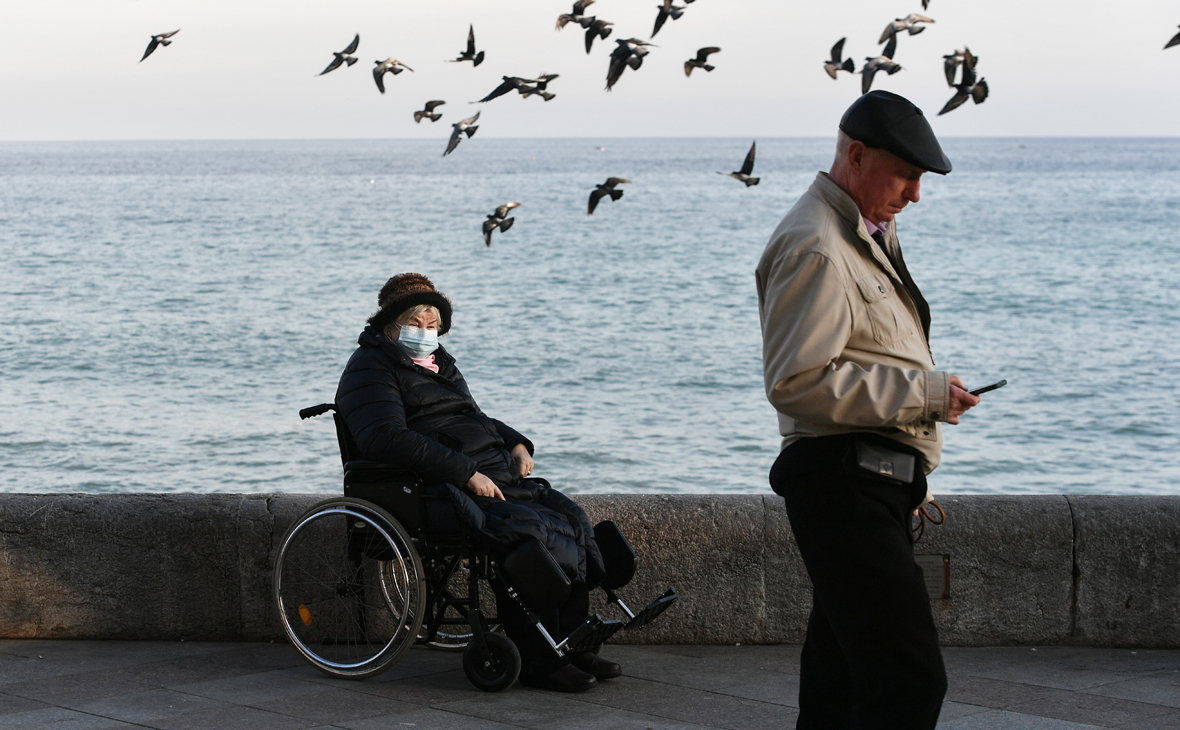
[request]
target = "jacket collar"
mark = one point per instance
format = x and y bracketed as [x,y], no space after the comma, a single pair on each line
[835,198]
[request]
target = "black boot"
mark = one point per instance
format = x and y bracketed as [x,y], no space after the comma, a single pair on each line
[566,679]
[591,663]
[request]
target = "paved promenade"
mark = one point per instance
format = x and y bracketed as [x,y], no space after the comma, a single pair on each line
[177,685]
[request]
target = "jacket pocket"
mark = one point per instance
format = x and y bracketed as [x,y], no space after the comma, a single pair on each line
[882,303]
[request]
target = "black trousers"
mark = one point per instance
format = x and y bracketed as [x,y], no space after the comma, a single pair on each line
[536,655]
[871,657]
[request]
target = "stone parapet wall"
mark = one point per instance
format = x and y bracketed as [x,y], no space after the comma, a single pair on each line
[1090,570]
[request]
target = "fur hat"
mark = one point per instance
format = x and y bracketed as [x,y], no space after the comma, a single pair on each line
[404,291]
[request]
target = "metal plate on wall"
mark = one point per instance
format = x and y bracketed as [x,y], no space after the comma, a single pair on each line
[936,569]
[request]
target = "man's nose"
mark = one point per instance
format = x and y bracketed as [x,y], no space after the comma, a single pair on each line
[911,191]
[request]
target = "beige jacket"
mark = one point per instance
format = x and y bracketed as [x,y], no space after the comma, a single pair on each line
[843,348]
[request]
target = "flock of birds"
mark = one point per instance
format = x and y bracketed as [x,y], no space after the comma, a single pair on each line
[629,53]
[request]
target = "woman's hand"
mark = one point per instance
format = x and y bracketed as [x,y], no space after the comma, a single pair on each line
[524,461]
[484,487]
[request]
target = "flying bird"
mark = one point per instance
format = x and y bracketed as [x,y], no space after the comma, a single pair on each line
[595,28]
[344,56]
[1174,42]
[573,16]
[667,10]
[498,219]
[699,61]
[467,126]
[837,62]
[470,54]
[952,60]
[526,87]
[747,168]
[604,189]
[968,87]
[427,112]
[158,40]
[389,65]
[925,4]
[884,62]
[628,52]
[908,23]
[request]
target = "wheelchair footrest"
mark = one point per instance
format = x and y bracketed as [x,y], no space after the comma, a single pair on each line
[653,610]
[592,633]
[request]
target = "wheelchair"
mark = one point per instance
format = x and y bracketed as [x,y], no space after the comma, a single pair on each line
[359,579]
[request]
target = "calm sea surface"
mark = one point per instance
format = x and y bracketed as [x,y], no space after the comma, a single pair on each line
[167,308]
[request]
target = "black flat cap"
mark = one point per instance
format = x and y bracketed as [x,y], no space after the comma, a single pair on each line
[890,122]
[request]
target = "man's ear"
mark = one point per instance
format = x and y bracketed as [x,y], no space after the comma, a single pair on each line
[856,155]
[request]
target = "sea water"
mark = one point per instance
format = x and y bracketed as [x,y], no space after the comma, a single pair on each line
[166,308]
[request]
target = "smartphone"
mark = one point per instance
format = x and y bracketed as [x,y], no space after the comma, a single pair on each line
[991,387]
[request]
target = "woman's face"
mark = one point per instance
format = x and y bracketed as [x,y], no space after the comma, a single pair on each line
[426,320]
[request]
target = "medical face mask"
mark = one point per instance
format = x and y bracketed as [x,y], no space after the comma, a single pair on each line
[418,342]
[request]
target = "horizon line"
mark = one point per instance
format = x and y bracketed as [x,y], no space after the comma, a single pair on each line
[641,137]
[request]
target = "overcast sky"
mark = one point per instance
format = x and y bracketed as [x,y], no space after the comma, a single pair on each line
[245,69]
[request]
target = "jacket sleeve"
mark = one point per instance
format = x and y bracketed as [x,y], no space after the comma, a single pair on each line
[372,407]
[806,322]
[512,437]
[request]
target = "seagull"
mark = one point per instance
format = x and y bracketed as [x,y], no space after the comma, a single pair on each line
[595,28]
[515,83]
[426,113]
[1174,42]
[835,64]
[667,10]
[470,54]
[967,88]
[699,61]
[344,56]
[952,61]
[884,62]
[908,23]
[606,188]
[628,52]
[747,168]
[467,126]
[389,65]
[158,40]
[573,16]
[499,220]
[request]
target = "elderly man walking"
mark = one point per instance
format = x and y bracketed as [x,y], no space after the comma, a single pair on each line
[849,369]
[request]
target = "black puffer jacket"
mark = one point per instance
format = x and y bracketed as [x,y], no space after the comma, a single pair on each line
[401,413]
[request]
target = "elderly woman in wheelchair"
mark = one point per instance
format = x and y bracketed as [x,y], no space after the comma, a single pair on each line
[440,500]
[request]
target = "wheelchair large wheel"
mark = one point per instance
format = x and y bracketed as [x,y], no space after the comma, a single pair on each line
[350,588]
[501,669]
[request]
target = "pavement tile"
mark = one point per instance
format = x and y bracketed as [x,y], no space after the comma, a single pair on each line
[251,689]
[954,710]
[1002,720]
[700,670]
[1157,689]
[1171,721]
[74,689]
[772,687]
[425,719]
[681,703]
[247,659]
[10,704]
[608,718]
[432,690]
[59,718]
[526,707]
[1080,707]
[144,706]
[1063,667]
[334,706]
[231,718]
[993,693]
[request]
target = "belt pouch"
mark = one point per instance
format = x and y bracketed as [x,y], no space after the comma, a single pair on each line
[873,461]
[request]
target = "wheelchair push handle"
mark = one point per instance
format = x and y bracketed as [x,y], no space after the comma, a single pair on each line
[313,411]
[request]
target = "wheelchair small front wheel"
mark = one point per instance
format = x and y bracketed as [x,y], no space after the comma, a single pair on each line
[350,588]
[499,670]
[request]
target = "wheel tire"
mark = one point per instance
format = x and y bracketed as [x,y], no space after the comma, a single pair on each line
[349,588]
[505,664]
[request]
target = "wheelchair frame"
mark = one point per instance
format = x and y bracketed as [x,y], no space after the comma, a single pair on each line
[355,609]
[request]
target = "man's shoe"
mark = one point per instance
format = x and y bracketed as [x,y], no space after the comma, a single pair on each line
[591,663]
[567,679]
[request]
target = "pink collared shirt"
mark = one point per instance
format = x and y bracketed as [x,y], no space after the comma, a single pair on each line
[873,227]
[427,362]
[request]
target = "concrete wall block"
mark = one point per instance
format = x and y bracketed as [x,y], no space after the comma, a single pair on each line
[710,547]
[1128,570]
[788,589]
[1011,569]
